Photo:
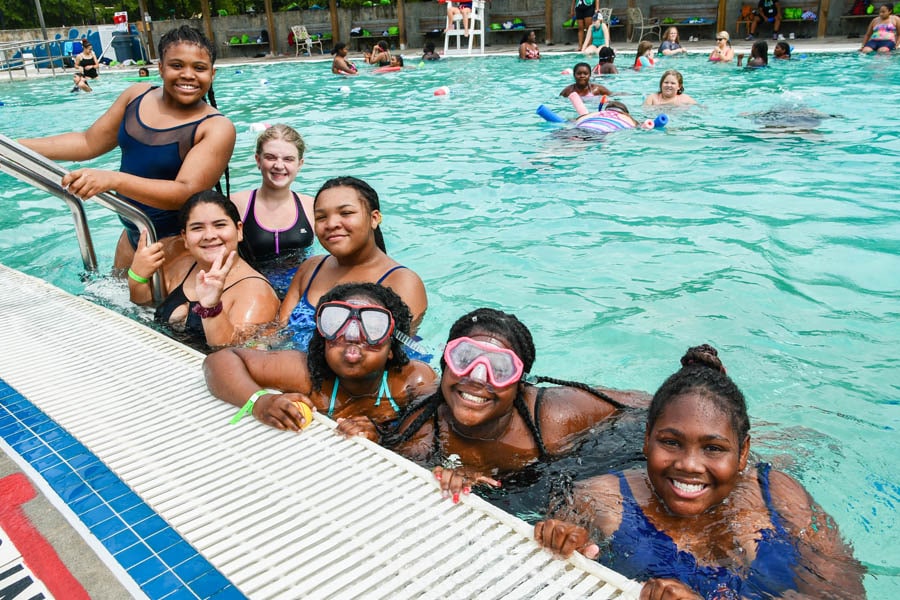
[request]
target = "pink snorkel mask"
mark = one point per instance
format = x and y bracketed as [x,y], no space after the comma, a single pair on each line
[483,362]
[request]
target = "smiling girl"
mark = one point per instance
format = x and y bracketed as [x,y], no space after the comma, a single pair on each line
[671,91]
[214,296]
[173,143]
[699,521]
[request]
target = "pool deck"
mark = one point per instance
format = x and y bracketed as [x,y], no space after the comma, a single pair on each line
[703,47]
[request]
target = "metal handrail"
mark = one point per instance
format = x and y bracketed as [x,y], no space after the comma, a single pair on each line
[7,49]
[26,165]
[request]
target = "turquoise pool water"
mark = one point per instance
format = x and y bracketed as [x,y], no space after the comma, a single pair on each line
[778,246]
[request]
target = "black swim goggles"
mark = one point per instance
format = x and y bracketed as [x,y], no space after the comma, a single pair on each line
[370,322]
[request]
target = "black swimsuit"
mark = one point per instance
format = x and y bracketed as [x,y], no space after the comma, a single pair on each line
[193,325]
[89,67]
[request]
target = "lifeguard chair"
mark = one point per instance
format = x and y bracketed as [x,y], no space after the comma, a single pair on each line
[476,27]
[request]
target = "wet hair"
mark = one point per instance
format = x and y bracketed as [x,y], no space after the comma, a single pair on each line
[643,47]
[760,50]
[207,197]
[280,131]
[677,35]
[581,64]
[511,329]
[703,373]
[399,60]
[616,106]
[606,54]
[677,75]
[366,193]
[784,46]
[319,370]
[191,35]
[382,44]
[428,48]
[143,72]
[525,37]
[338,47]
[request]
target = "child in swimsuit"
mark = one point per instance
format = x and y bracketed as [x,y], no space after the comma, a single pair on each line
[673,522]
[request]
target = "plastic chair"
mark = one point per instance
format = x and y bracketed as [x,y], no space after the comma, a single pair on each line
[745,19]
[636,21]
[301,36]
[476,27]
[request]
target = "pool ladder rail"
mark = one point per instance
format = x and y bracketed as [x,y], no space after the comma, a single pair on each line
[281,515]
[44,174]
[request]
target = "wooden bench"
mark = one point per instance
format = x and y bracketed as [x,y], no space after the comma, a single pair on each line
[808,5]
[377,31]
[432,28]
[251,44]
[534,20]
[681,16]
[855,21]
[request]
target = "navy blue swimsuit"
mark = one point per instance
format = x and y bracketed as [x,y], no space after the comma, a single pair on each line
[153,154]
[640,551]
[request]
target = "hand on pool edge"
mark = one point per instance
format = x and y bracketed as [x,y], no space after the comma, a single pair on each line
[564,538]
[460,480]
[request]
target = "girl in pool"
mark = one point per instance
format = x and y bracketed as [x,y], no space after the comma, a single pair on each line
[347,216]
[605,59]
[697,521]
[80,84]
[355,367]
[340,65]
[644,58]
[759,56]
[277,221]
[881,36]
[671,91]
[723,51]
[782,51]
[583,86]
[173,143]
[671,44]
[214,296]
[87,62]
[528,48]
[380,55]
[486,414]
[597,36]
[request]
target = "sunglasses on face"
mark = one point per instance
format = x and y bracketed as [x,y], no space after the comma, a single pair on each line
[370,322]
[503,367]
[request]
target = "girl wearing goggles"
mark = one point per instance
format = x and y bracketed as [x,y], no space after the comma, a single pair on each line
[484,411]
[354,367]
[347,217]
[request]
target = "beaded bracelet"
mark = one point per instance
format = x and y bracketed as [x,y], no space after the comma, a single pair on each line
[207,313]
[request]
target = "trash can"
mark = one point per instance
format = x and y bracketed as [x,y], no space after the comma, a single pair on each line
[123,44]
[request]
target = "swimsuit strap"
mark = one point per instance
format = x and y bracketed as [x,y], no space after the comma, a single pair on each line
[244,279]
[187,274]
[337,382]
[250,202]
[305,295]
[762,470]
[385,392]
[388,273]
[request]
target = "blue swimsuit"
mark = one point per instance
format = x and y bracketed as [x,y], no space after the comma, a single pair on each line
[302,322]
[154,154]
[640,551]
[383,392]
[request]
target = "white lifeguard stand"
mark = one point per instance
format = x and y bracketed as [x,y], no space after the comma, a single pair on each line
[476,28]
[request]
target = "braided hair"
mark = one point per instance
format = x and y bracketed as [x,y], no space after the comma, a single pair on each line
[490,321]
[703,373]
[186,34]
[319,370]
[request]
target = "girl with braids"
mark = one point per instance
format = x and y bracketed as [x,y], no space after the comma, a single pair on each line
[355,366]
[486,414]
[347,215]
[697,522]
[173,143]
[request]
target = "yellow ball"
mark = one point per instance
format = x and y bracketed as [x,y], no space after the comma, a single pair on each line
[306,411]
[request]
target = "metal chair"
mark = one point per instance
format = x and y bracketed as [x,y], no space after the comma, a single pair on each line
[636,20]
[605,14]
[301,36]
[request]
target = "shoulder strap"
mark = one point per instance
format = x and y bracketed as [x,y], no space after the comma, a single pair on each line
[388,273]
[245,279]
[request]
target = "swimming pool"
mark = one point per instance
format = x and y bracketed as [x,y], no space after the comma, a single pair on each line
[618,253]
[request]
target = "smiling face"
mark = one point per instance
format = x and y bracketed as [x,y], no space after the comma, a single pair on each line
[885,12]
[279,162]
[349,356]
[343,222]
[693,455]
[475,403]
[669,86]
[187,72]
[582,76]
[672,34]
[209,232]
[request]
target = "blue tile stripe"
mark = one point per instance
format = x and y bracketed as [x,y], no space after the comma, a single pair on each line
[159,560]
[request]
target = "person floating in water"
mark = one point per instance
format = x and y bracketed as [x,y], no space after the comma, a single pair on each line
[700,521]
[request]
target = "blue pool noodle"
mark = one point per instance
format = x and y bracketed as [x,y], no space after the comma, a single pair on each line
[660,121]
[549,115]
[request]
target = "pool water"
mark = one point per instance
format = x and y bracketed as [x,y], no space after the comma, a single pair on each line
[778,245]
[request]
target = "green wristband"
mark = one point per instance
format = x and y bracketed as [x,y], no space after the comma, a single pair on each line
[136,277]
[248,406]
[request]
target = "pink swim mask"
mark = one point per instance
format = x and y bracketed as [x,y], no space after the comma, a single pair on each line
[503,367]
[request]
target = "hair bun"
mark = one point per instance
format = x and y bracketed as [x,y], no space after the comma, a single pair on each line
[704,356]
